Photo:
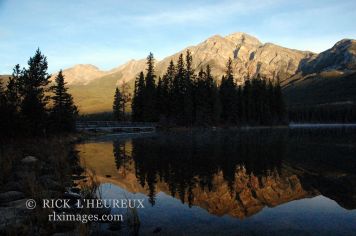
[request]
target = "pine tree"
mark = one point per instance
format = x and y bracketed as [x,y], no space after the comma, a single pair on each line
[213,98]
[12,102]
[160,98]
[228,96]
[247,101]
[138,98]
[63,112]
[279,103]
[187,99]
[240,108]
[270,100]
[118,105]
[178,92]
[207,106]
[32,88]
[187,90]
[200,100]
[150,103]
[125,96]
[12,89]
[166,94]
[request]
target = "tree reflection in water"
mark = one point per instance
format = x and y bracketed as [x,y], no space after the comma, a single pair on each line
[238,173]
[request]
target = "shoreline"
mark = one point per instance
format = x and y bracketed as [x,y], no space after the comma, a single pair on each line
[44,168]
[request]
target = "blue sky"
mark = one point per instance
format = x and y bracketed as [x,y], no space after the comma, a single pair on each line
[108,33]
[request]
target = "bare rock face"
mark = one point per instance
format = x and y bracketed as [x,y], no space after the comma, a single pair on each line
[250,57]
[214,51]
[326,78]
[342,56]
[272,62]
[81,74]
[129,70]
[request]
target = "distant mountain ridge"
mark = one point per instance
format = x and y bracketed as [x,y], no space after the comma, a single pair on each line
[81,74]
[250,57]
[342,56]
[326,78]
[298,71]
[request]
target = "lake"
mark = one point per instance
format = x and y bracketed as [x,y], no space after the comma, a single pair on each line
[299,181]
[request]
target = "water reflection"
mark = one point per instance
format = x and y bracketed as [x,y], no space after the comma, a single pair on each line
[229,172]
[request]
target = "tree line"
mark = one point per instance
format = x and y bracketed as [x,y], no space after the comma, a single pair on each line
[325,113]
[31,106]
[183,97]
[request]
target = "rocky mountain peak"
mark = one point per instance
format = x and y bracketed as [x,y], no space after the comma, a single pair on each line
[340,57]
[81,74]
[240,38]
[86,66]
[345,44]
[250,57]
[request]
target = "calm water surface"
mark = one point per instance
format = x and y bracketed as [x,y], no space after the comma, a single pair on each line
[252,182]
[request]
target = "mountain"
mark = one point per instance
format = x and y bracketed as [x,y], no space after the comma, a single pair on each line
[97,95]
[327,78]
[250,57]
[306,77]
[342,56]
[81,74]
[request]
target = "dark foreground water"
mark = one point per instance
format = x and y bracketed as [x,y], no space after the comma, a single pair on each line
[251,182]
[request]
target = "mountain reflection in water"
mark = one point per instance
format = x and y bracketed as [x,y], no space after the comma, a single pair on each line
[232,173]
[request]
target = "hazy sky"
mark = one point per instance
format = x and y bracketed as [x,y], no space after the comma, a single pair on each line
[107,33]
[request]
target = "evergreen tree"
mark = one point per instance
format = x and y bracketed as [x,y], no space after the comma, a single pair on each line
[200,98]
[187,90]
[12,89]
[63,112]
[118,105]
[11,104]
[150,113]
[270,101]
[240,108]
[185,99]
[162,100]
[138,98]
[32,88]
[166,91]
[279,103]
[125,97]
[214,106]
[207,107]
[228,96]
[255,102]
[178,92]
[159,92]
[247,101]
